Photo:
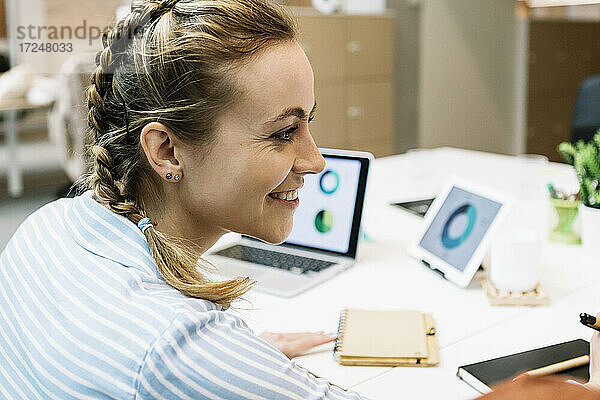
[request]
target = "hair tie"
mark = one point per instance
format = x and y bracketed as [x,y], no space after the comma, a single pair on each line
[144,224]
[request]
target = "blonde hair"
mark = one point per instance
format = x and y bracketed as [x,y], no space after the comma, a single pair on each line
[174,62]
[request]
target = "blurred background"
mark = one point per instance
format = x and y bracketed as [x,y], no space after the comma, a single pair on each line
[501,76]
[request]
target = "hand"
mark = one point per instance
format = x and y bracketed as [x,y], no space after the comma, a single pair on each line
[538,388]
[594,382]
[295,344]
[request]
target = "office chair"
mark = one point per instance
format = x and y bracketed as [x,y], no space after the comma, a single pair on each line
[586,115]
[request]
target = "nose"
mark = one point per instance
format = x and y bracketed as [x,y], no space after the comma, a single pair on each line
[309,159]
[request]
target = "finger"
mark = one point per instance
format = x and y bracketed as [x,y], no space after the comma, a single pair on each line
[310,340]
[305,335]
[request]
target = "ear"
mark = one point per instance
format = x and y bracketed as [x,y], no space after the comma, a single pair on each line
[159,144]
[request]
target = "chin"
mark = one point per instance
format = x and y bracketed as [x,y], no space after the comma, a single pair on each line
[273,236]
[275,241]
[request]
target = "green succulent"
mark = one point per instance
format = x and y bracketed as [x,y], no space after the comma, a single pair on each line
[585,157]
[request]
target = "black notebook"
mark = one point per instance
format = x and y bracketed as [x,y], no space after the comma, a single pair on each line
[485,374]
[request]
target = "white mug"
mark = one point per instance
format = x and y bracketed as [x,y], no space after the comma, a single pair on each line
[515,260]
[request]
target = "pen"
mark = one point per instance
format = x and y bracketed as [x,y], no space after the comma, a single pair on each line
[558,367]
[590,321]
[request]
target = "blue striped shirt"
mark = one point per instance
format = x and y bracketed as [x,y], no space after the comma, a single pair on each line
[85,314]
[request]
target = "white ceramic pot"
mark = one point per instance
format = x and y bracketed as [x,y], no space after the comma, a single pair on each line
[590,228]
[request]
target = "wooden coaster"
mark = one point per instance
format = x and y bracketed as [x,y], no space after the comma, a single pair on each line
[535,297]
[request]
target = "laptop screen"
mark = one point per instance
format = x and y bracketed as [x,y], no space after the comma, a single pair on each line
[328,217]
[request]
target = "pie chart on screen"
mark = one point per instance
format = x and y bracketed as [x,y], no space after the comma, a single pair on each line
[329,182]
[459,226]
[324,221]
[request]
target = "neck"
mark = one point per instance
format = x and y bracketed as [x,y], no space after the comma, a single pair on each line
[181,227]
[178,223]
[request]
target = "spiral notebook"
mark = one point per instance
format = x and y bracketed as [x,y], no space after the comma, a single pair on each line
[386,338]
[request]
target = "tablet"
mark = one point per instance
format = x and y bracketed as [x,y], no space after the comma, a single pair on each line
[458,228]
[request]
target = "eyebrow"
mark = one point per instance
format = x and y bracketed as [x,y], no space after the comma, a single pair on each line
[293,112]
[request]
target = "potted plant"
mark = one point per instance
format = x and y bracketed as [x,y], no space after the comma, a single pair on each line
[585,157]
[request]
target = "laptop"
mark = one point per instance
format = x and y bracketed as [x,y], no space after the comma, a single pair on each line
[324,238]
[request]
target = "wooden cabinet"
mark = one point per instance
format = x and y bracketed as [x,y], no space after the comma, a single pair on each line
[369,113]
[353,61]
[370,47]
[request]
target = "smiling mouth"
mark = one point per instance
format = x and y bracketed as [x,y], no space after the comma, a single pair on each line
[290,195]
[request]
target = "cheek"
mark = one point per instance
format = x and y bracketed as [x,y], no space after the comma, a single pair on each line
[264,175]
[233,191]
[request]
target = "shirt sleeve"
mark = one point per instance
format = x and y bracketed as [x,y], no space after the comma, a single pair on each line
[214,355]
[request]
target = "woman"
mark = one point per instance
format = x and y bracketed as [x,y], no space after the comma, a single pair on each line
[199,111]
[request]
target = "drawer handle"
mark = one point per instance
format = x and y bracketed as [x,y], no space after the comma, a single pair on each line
[354,47]
[354,112]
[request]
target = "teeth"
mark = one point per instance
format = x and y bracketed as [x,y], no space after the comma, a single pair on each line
[289,196]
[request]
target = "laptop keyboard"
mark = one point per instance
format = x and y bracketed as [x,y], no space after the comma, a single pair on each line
[289,262]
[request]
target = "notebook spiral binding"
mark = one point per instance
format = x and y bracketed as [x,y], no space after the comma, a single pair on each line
[338,342]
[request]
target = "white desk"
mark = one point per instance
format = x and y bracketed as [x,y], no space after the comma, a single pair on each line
[384,277]
[533,328]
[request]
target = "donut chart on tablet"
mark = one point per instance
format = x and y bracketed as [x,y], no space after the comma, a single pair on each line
[451,242]
[459,229]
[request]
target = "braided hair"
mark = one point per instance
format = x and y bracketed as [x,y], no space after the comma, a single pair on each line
[170,61]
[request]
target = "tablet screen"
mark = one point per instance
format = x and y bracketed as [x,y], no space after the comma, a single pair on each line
[459,226]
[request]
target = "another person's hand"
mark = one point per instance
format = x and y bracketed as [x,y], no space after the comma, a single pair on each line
[540,388]
[594,382]
[295,344]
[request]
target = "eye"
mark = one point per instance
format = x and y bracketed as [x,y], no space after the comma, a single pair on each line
[286,134]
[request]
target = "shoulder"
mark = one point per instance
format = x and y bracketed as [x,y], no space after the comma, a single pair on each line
[53,211]
[50,214]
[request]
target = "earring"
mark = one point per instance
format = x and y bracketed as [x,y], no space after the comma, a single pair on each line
[169,175]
